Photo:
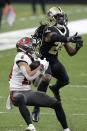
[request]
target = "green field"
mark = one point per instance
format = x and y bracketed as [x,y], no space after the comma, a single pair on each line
[74,99]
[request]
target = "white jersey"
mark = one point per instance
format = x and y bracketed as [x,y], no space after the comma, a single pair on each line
[17,79]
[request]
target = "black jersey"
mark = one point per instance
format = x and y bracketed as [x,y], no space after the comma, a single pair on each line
[50,50]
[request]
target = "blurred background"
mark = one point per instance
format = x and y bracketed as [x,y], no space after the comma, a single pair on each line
[29,13]
[20,18]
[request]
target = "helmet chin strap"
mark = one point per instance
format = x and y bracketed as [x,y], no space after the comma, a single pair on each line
[26,52]
[22,49]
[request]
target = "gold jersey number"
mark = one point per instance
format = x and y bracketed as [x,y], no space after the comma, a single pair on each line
[57,47]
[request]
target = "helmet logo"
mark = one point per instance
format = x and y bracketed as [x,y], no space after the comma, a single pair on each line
[23,41]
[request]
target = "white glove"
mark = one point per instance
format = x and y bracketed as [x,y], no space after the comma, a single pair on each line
[44,63]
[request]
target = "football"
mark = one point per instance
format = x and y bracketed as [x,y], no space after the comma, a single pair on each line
[34,65]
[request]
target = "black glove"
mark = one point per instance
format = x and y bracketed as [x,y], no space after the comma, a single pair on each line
[75,38]
[79,44]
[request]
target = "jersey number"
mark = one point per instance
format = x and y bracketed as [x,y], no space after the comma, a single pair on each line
[55,48]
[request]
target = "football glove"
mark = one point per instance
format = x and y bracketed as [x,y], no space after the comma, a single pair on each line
[75,38]
[44,63]
[79,44]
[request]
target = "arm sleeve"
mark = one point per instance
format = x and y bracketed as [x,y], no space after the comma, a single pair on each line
[57,37]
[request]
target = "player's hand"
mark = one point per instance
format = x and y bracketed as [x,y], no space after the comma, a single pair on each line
[44,63]
[79,44]
[75,38]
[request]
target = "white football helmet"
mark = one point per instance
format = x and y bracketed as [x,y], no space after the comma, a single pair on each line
[57,17]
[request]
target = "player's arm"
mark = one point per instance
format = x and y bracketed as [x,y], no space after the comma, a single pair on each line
[54,37]
[50,35]
[70,50]
[26,70]
[79,43]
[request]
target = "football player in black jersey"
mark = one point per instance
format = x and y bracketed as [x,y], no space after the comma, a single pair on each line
[54,36]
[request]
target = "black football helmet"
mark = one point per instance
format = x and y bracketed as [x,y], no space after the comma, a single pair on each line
[26,45]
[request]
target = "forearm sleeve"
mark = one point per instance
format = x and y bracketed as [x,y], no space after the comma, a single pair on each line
[23,70]
[58,38]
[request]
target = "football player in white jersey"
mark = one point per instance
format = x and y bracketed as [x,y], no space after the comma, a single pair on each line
[20,78]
